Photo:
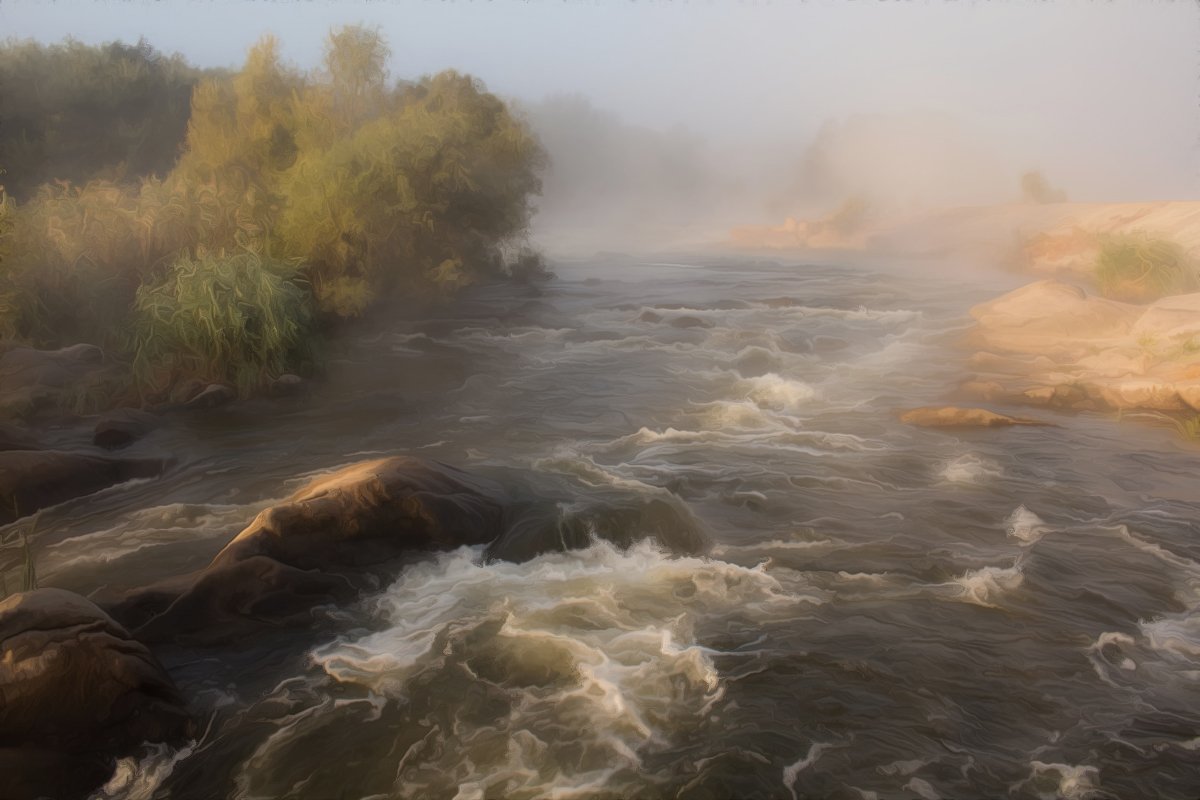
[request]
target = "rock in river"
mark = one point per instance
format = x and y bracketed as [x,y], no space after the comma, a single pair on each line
[954,417]
[76,693]
[316,546]
[33,479]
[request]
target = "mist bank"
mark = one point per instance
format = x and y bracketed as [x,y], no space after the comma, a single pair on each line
[1061,239]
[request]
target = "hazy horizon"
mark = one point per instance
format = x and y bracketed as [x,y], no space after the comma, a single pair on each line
[1100,97]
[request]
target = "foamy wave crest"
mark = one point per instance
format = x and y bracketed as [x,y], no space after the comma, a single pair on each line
[589,661]
[986,585]
[970,469]
[777,393]
[137,778]
[1063,781]
[1025,525]
[146,528]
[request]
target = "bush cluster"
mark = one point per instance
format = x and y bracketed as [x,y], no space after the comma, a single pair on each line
[359,187]
[1138,267]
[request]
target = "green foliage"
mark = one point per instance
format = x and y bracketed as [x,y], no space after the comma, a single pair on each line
[1138,267]
[361,187]
[77,112]
[421,197]
[1036,189]
[238,319]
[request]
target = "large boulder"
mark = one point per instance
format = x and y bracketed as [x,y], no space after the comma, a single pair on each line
[123,427]
[76,693]
[324,543]
[34,479]
[1051,316]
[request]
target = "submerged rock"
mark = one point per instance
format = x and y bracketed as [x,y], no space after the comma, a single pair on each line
[325,543]
[690,322]
[123,427]
[78,692]
[955,417]
[547,527]
[34,479]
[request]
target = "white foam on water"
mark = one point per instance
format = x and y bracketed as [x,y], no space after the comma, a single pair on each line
[860,314]
[595,649]
[1065,781]
[142,529]
[986,585]
[1177,635]
[922,788]
[741,415]
[138,778]
[1025,525]
[792,771]
[970,469]
[777,393]
[589,472]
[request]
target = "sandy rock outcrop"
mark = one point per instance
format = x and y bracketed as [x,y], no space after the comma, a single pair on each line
[1053,344]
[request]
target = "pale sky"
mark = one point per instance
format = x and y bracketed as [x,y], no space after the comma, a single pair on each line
[1104,94]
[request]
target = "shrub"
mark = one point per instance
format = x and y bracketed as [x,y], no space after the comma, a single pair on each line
[1036,189]
[1138,267]
[240,319]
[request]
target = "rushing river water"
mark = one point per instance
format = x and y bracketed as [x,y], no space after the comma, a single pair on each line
[883,611]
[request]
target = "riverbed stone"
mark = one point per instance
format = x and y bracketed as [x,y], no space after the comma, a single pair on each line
[123,427]
[76,693]
[34,479]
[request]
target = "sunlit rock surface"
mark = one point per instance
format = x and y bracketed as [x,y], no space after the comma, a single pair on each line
[1051,343]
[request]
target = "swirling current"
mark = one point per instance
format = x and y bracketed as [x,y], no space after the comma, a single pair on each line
[879,611]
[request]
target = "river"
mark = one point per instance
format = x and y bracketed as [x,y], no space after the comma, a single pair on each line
[881,611]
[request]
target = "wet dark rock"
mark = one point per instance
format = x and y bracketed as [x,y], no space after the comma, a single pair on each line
[625,520]
[34,479]
[14,437]
[78,692]
[690,322]
[123,427]
[755,361]
[337,535]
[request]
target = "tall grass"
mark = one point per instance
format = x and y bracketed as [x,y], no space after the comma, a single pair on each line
[238,319]
[1138,267]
